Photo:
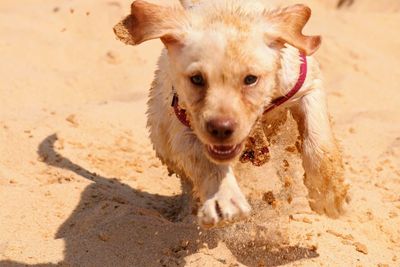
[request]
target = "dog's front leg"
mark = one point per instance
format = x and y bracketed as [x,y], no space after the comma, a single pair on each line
[324,177]
[221,197]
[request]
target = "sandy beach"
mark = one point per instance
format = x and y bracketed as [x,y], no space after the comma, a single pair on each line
[79,181]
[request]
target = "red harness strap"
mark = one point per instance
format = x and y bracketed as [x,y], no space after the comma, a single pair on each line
[300,81]
[181,113]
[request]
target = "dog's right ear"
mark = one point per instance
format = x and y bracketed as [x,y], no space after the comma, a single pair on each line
[287,25]
[150,21]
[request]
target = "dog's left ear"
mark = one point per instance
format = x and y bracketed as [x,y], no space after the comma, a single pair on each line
[149,20]
[287,26]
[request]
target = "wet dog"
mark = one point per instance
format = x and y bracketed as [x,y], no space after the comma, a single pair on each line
[224,64]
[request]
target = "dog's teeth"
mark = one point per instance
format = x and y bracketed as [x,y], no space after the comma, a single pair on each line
[222,152]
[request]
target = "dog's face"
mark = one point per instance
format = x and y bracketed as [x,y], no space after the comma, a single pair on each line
[223,78]
[223,62]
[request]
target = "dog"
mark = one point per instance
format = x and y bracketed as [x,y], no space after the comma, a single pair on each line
[225,65]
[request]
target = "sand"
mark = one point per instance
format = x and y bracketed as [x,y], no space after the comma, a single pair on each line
[79,181]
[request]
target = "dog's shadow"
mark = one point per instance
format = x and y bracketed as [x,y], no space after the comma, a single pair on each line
[116,225]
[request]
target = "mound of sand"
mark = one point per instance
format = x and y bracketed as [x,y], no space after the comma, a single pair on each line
[80,184]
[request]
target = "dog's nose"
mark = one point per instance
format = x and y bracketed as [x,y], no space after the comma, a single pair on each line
[221,128]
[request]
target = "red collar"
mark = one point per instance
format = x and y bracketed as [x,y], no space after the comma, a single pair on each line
[181,113]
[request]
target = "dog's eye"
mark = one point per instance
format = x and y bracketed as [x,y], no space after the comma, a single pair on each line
[197,80]
[250,79]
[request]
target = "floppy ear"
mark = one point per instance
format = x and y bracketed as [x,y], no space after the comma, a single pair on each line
[150,21]
[287,26]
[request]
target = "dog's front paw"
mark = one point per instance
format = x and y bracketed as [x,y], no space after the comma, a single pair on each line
[225,206]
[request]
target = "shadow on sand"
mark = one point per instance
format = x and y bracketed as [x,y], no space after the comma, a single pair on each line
[116,225]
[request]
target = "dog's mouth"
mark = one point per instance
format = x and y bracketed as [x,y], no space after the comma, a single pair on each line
[224,152]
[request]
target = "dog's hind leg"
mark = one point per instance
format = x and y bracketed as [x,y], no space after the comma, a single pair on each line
[324,174]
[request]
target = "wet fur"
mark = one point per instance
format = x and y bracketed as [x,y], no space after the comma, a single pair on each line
[182,149]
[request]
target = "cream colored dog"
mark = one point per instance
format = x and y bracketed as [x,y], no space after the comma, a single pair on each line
[227,60]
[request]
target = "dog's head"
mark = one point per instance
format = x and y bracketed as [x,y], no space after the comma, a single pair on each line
[224,58]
